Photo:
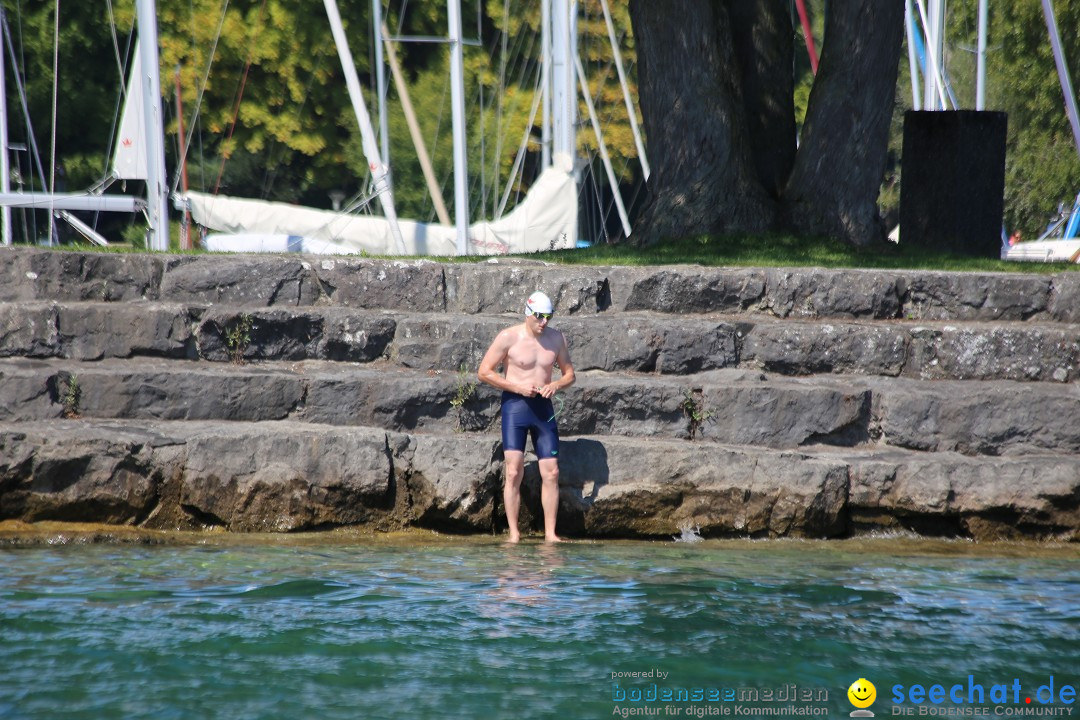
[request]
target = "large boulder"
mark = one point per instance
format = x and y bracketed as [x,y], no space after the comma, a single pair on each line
[621,486]
[67,470]
[283,476]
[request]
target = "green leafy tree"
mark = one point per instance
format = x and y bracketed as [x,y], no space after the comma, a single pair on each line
[1042,161]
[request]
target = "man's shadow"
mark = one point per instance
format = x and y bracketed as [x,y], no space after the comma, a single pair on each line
[583,470]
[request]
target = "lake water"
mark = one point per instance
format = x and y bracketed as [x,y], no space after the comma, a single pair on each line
[422,626]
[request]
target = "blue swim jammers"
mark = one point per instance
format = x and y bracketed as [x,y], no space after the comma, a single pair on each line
[529,415]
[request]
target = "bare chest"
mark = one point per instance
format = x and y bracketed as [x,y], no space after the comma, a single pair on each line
[529,353]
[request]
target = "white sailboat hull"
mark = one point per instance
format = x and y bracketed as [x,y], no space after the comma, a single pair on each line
[1045,251]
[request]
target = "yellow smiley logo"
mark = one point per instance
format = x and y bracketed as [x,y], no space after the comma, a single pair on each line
[862,693]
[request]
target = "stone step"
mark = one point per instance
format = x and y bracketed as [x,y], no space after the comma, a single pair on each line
[281,476]
[501,285]
[732,406]
[624,342]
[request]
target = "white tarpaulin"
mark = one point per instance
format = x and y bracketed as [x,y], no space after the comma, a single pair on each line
[545,220]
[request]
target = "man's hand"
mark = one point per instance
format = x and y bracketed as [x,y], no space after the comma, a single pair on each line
[547,391]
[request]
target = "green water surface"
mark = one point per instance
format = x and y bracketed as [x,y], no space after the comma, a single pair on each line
[453,628]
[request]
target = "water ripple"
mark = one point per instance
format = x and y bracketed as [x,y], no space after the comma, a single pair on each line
[489,631]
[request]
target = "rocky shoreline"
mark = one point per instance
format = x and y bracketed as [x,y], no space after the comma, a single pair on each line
[289,393]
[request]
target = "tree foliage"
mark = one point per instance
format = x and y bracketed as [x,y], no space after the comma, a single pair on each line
[273,119]
[262,85]
[1042,159]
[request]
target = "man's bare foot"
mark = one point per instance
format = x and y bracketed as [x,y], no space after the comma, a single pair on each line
[514,538]
[553,539]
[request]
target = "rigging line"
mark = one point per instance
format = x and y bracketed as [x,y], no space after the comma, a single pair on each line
[36,154]
[270,177]
[121,70]
[116,46]
[524,144]
[483,150]
[349,211]
[626,170]
[240,94]
[607,210]
[601,146]
[18,70]
[499,41]
[522,59]
[520,56]
[105,174]
[55,85]
[182,162]
[435,146]
[198,102]
[500,134]
[631,114]
[501,93]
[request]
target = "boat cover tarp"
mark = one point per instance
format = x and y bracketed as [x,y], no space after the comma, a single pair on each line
[546,219]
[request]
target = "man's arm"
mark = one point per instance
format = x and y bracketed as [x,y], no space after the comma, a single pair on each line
[496,354]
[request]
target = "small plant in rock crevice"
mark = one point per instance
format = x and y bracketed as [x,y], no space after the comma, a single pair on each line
[693,407]
[72,398]
[238,337]
[464,390]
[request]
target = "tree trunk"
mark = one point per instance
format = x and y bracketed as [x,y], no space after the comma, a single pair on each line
[839,167]
[761,33]
[703,178]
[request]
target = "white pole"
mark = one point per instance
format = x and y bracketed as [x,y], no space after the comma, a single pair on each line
[457,106]
[631,114]
[367,134]
[980,68]
[930,28]
[380,79]
[156,189]
[913,58]
[612,181]
[935,89]
[564,89]
[545,83]
[82,202]
[5,171]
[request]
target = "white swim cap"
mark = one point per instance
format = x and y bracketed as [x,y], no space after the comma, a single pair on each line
[538,302]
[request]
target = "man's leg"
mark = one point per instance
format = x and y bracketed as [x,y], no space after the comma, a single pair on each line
[549,496]
[514,461]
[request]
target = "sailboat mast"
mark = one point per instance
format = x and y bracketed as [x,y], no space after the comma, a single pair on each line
[935,44]
[545,84]
[563,86]
[156,189]
[380,79]
[457,106]
[5,173]
[980,62]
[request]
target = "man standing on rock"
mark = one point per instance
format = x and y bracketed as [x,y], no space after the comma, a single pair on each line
[528,352]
